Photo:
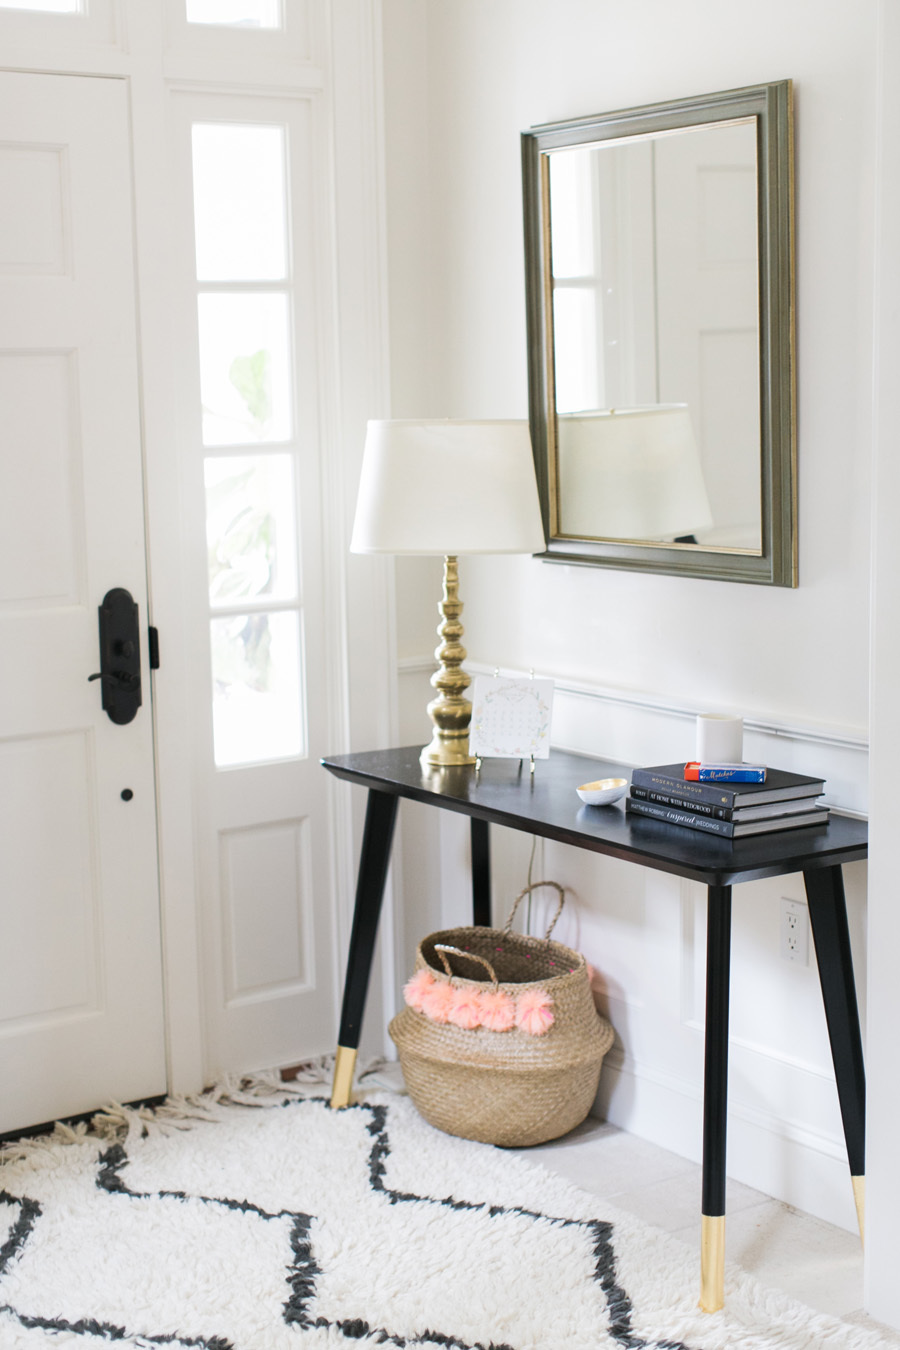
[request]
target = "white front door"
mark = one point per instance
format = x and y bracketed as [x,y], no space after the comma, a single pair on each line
[81,1003]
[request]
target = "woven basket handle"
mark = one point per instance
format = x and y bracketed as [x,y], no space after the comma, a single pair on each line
[533,887]
[441,947]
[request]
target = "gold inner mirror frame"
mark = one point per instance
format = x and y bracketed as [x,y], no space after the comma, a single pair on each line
[659,247]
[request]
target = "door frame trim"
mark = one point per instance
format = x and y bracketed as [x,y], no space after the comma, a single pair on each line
[353,356]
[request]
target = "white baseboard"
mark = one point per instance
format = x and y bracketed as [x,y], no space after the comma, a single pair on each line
[790,1163]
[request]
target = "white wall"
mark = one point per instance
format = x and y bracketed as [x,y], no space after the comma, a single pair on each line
[636,656]
[882,1289]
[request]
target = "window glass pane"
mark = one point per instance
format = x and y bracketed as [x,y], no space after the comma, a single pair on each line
[244,368]
[576,342]
[251,528]
[573,215]
[257,692]
[239,202]
[236,13]
[46,6]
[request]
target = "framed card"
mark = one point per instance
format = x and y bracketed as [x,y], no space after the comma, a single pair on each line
[510,718]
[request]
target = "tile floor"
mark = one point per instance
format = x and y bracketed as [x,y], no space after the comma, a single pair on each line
[816,1263]
[813,1261]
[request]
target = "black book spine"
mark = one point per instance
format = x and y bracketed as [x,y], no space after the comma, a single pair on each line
[674,816]
[681,803]
[714,794]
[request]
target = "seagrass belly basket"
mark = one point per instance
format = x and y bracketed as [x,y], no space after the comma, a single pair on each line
[500,1040]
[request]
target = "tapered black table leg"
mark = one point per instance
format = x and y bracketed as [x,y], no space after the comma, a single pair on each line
[715,1098]
[831,936]
[481,873]
[381,814]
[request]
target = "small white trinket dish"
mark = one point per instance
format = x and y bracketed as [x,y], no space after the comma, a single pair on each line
[603,791]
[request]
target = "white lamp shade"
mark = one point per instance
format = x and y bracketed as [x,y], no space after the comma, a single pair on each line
[447,487]
[631,473]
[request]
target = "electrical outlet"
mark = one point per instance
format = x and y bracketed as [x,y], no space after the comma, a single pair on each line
[794,932]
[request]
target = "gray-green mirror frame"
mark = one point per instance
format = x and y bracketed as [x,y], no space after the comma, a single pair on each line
[772,107]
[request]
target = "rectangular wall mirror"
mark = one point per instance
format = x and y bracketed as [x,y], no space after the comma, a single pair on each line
[660,283]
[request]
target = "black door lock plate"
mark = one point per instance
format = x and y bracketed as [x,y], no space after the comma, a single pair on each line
[120,656]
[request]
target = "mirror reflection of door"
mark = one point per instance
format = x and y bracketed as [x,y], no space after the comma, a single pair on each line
[656,302]
[708,308]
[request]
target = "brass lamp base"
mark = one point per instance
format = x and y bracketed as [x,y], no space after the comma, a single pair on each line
[450,712]
[442,753]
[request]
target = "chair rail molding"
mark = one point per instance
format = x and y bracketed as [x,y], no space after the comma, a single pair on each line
[644,727]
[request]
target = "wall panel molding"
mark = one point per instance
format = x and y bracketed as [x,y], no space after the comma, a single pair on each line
[647,728]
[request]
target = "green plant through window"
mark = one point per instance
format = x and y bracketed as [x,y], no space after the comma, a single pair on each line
[241,536]
[242,656]
[251,557]
[252,378]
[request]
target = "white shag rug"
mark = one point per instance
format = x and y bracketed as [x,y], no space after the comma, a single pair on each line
[255,1218]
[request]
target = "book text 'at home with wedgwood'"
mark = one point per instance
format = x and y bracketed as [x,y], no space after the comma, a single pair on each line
[761,811]
[728,829]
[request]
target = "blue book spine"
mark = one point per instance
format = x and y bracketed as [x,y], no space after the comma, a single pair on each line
[730,773]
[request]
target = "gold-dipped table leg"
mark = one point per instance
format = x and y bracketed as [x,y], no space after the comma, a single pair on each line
[712,1263]
[859,1195]
[342,1082]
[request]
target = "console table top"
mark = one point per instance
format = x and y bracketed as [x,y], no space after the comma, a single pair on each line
[504,792]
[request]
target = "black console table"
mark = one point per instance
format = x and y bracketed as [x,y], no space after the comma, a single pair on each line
[503,792]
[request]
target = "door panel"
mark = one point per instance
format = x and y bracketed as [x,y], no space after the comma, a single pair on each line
[81,1011]
[50,920]
[43,553]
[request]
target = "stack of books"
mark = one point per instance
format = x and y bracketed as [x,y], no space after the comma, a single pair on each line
[782,801]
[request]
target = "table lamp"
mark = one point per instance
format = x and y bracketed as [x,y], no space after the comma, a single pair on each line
[443,488]
[630,473]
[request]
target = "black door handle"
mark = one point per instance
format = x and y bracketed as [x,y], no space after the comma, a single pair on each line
[118,679]
[120,657]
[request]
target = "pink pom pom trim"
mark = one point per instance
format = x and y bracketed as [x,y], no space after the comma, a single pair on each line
[498,1010]
[438,1001]
[417,987]
[465,1009]
[534,1012]
[468,1007]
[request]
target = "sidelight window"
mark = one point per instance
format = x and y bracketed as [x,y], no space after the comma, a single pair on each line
[244,299]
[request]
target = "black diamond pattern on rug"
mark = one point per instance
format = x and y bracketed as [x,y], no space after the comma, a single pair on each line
[296,1269]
